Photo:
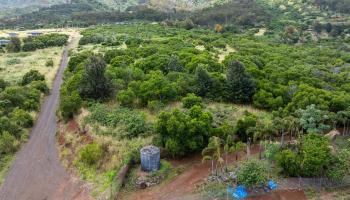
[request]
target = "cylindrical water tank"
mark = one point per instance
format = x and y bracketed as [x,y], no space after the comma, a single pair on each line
[150,158]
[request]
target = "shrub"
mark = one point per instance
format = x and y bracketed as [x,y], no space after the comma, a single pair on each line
[191,100]
[49,63]
[40,85]
[7,125]
[316,155]
[312,159]
[154,105]
[70,104]
[29,46]
[133,123]
[340,165]
[252,173]
[32,75]
[91,154]
[13,61]
[289,162]
[22,118]
[8,143]
[126,98]
[3,84]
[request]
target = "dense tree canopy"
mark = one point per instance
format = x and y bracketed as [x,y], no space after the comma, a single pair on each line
[184,132]
[94,83]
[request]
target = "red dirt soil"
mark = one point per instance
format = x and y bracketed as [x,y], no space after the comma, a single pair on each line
[282,195]
[37,173]
[183,186]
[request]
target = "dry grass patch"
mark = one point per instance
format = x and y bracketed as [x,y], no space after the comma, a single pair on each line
[14,65]
[225,52]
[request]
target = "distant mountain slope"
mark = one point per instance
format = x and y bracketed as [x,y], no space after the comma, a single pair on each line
[28,3]
[271,14]
[117,4]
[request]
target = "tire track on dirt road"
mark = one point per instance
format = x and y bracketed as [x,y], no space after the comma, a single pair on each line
[37,173]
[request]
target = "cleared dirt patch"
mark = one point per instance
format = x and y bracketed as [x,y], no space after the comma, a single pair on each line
[282,195]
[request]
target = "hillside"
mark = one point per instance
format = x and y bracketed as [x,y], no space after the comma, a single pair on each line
[28,3]
[117,4]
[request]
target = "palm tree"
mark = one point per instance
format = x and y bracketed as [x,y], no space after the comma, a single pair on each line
[289,122]
[213,152]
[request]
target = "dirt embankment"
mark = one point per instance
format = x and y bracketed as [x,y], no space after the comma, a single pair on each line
[37,173]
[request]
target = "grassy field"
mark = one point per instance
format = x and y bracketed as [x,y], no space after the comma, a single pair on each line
[14,65]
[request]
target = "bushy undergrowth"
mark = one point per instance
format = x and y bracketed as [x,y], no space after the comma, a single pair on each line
[16,104]
[133,123]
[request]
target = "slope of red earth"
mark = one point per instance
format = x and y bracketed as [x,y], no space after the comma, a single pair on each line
[37,173]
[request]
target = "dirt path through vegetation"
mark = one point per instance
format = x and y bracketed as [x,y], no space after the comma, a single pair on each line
[183,186]
[37,173]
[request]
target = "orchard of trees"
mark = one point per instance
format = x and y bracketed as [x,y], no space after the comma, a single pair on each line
[153,81]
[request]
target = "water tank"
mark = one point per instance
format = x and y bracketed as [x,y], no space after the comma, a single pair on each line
[150,158]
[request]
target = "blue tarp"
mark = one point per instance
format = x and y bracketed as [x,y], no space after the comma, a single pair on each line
[272,185]
[239,193]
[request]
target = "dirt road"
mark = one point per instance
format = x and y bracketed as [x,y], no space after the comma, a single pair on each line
[37,173]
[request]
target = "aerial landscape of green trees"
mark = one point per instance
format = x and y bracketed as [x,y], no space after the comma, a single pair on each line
[216,81]
[303,88]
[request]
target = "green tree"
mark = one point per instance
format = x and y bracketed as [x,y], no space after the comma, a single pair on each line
[70,104]
[243,125]
[315,154]
[32,75]
[289,162]
[94,83]
[240,85]
[313,119]
[156,87]
[184,132]
[174,65]
[191,100]
[204,82]
[15,45]
[126,97]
